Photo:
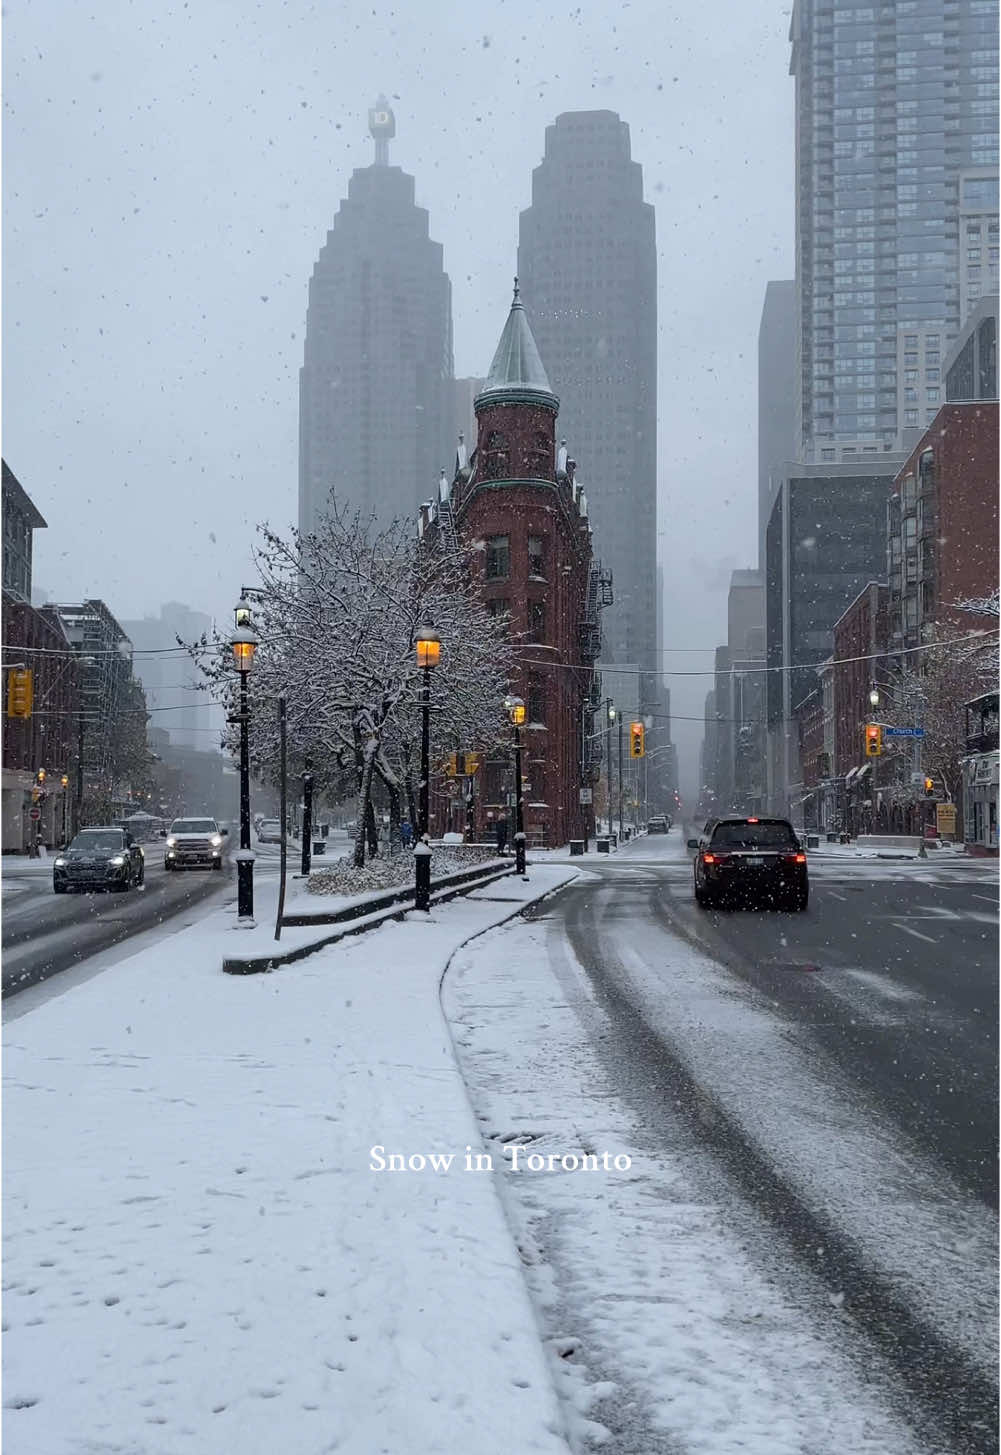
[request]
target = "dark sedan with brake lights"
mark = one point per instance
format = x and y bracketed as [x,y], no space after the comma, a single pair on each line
[744,859]
[99,858]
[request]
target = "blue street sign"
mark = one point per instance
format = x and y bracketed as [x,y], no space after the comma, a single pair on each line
[903,732]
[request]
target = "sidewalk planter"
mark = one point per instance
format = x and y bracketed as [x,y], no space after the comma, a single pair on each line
[576,848]
[369,913]
[604,845]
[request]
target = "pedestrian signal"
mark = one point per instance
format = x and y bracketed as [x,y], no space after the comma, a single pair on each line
[19,693]
[929,787]
[873,739]
[636,735]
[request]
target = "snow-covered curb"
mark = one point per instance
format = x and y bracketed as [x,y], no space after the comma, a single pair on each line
[199,1256]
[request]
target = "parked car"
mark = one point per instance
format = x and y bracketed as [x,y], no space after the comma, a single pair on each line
[269,831]
[750,859]
[99,858]
[659,824]
[194,841]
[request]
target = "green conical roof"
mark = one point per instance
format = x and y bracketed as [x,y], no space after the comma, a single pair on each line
[517,374]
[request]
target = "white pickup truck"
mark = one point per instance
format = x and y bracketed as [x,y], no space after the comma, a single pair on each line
[197,841]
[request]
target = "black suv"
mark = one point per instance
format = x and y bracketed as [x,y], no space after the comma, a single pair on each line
[99,858]
[745,859]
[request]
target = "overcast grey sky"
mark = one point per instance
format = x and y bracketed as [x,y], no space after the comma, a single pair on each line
[171,171]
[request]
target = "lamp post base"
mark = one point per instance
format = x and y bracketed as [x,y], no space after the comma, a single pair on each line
[422,889]
[245,885]
[519,855]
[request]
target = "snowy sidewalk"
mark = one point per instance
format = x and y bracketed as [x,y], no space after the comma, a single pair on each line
[199,1257]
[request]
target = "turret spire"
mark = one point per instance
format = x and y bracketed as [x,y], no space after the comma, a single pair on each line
[517,373]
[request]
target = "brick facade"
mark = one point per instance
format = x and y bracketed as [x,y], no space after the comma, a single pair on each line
[860,633]
[512,494]
[943,524]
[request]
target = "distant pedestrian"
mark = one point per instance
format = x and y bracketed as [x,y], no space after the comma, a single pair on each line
[406,833]
[501,828]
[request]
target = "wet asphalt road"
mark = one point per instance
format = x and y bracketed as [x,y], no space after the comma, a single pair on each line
[891,974]
[45,934]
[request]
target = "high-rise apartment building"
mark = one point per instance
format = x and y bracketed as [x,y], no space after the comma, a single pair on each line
[778,442]
[896,203]
[375,389]
[587,261]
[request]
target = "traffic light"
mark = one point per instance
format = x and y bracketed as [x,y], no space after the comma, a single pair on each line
[636,734]
[929,787]
[64,781]
[873,739]
[40,777]
[19,692]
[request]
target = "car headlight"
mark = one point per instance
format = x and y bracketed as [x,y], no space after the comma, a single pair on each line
[118,860]
[60,864]
[216,840]
[171,843]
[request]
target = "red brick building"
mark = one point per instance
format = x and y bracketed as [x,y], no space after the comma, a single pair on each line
[517,503]
[859,634]
[943,524]
[34,639]
[860,644]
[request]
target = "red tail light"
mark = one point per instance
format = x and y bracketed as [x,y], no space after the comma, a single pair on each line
[708,858]
[795,858]
[753,820]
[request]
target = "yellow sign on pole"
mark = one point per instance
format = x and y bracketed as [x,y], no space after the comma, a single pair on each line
[945,818]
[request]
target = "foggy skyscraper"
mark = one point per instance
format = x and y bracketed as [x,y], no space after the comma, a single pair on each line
[587,262]
[375,391]
[896,209]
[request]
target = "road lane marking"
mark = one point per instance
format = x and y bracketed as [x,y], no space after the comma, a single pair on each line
[916,933]
[833,894]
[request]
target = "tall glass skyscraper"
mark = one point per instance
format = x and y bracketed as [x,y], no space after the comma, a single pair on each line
[896,208]
[375,389]
[587,261]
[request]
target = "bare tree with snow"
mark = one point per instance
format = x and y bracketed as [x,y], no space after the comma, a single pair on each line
[338,612]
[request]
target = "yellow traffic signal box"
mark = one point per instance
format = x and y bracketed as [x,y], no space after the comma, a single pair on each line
[20,692]
[873,739]
[637,748]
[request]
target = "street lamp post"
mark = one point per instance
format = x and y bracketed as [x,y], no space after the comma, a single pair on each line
[610,713]
[516,711]
[307,816]
[244,644]
[428,652]
[620,778]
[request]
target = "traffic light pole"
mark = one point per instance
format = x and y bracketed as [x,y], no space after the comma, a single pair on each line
[608,757]
[78,810]
[620,778]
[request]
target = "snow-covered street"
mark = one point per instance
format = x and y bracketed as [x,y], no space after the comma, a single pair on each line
[535,1174]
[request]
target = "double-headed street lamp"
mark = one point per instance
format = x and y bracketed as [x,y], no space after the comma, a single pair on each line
[428,652]
[515,709]
[244,643]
